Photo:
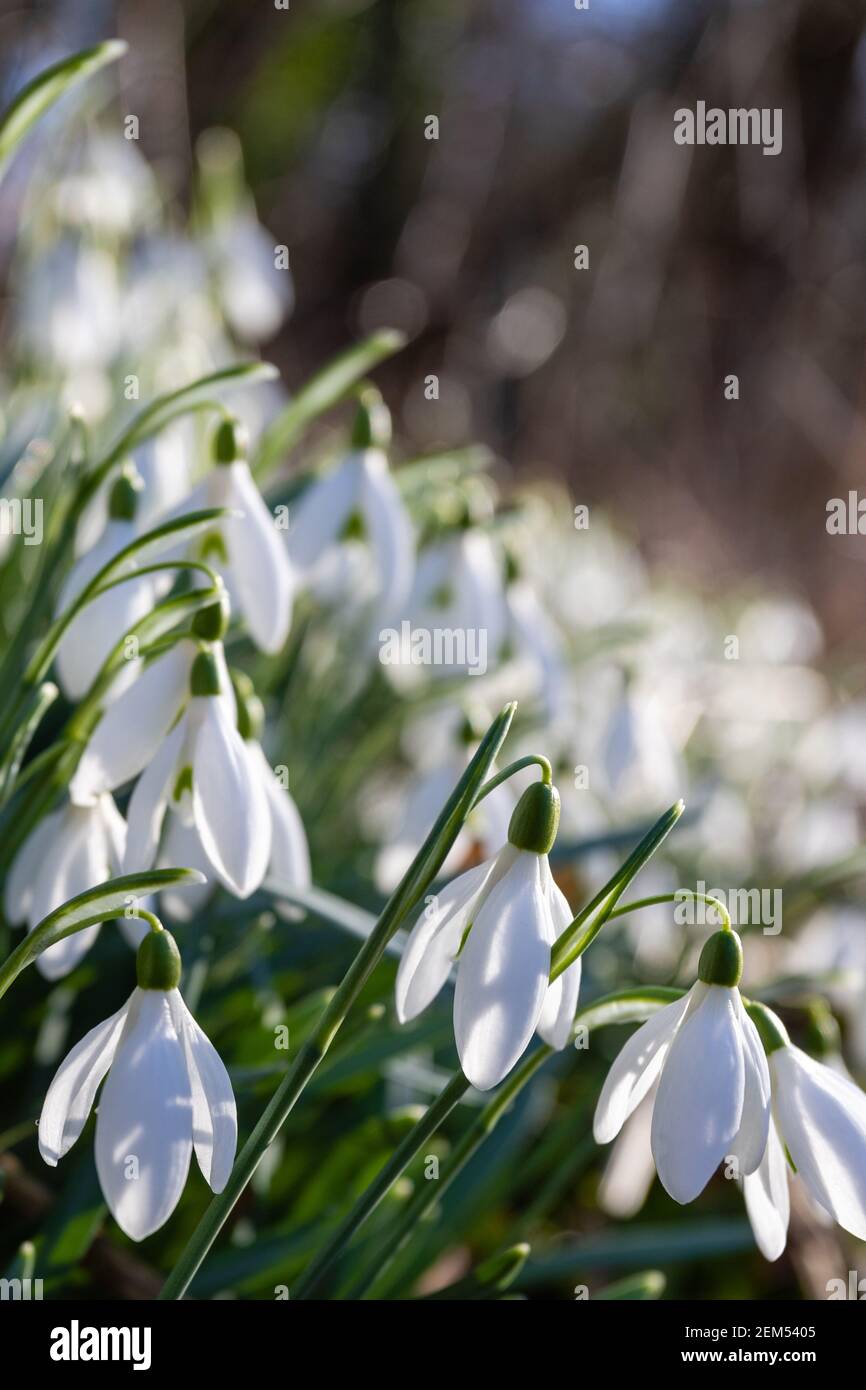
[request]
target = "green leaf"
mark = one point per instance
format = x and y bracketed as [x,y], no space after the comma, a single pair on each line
[100,904]
[650,1284]
[127,564]
[627,1006]
[172,404]
[47,88]
[638,1245]
[585,927]
[37,703]
[331,909]
[326,389]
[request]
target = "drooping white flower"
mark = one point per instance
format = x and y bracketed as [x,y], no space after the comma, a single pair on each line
[70,851]
[204,773]
[713,1097]
[167,1092]
[244,547]
[820,1118]
[458,586]
[358,504]
[288,861]
[498,922]
[97,629]
[135,725]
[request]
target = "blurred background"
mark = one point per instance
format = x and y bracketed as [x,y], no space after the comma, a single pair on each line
[555,129]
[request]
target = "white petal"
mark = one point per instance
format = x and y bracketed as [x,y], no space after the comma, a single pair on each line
[132,728]
[389,528]
[503,975]
[435,940]
[290,854]
[750,1143]
[94,633]
[560,1001]
[78,861]
[181,849]
[768,1201]
[214,1114]
[28,865]
[144,1121]
[323,511]
[261,571]
[699,1104]
[636,1068]
[629,1172]
[822,1118]
[149,801]
[70,1095]
[229,804]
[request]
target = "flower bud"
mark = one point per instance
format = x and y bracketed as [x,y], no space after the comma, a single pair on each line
[535,819]
[211,623]
[124,495]
[157,963]
[721,961]
[771,1029]
[204,677]
[251,711]
[372,427]
[230,441]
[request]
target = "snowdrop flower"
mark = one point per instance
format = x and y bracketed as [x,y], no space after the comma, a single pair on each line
[713,1097]
[288,861]
[245,547]
[819,1116]
[358,503]
[69,852]
[69,310]
[204,773]
[136,724]
[458,586]
[96,630]
[499,922]
[167,1093]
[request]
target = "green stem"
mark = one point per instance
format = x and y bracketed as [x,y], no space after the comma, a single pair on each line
[576,937]
[410,890]
[532,759]
[372,1195]
[678,897]
[427,1196]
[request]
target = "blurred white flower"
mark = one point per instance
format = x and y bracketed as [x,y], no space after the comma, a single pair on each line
[134,725]
[245,548]
[70,851]
[356,504]
[107,619]
[204,774]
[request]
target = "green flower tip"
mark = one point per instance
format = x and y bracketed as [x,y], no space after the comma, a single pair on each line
[721,961]
[205,676]
[822,1031]
[230,441]
[125,492]
[251,711]
[771,1029]
[535,819]
[211,623]
[372,426]
[157,963]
